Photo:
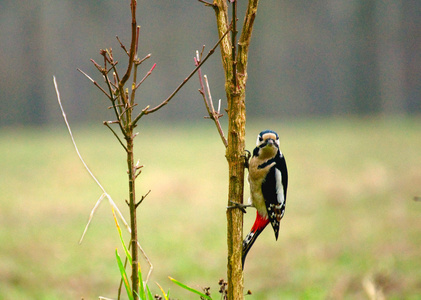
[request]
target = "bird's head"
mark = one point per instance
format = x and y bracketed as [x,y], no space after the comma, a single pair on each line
[268,143]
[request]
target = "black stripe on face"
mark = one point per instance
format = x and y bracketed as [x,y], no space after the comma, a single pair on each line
[267,141]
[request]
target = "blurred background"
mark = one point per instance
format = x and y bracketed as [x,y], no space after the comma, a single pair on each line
[320,58]
[338,80]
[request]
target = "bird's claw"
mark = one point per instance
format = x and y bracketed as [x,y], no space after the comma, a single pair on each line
[246,156]
[240,206]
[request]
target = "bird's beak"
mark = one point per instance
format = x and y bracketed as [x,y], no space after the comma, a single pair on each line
[270,142]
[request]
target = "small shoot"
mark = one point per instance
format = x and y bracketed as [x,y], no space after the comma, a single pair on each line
[124,276]
[162,290]
[190,289]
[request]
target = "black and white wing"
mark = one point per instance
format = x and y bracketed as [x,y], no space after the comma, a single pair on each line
[274,190]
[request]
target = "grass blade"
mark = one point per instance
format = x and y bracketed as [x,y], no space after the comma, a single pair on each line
[129,257]
[150,297]
[162,290]
[124,276]
[141,287]
[189,288]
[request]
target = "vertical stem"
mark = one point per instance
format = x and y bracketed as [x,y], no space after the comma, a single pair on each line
[130,145]
[133,219]
[236,144]
[236,141]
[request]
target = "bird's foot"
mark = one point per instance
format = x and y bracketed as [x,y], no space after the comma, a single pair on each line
[239,206]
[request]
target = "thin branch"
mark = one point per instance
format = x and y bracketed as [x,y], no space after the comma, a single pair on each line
[132,52]
[118,89]
[202,87]
[143,198]
[209,107]
[143,59]
[117,108]
[73,140]
[122,46]
[133,94]
[206,3]
[137,40]
[216,115]
[209,94]
[126,109]
[165,102]
[100,69]
[138,169]
[146,76]
[107,123]
[142,113]
[245,37]
[104,192]
[95,83]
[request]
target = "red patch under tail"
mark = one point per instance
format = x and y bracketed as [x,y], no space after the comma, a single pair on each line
[259,224]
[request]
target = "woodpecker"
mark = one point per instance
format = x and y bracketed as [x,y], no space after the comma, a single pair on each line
[268,179]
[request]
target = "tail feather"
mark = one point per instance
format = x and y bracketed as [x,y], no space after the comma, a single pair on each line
[248,242]
[259,224]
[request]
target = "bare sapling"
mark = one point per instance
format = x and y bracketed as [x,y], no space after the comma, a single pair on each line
[121,92]
[234,55]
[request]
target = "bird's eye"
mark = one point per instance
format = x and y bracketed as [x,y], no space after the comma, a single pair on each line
[260,138]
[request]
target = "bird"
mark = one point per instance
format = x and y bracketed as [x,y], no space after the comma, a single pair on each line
[268,180]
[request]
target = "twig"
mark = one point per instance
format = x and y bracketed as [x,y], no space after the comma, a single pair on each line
[122,46]
[117,108]
[126,108]
[143,198]
[143,59]
[209,94]
[202,87]
[107,123]
[133,94]
[104,192]
[95,83]
[245,37]
[73,140]
[137,40]
[132,52]
[209,103]
[146,76]
[206,3]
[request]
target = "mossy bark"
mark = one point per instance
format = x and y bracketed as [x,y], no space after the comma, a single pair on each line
[235,67]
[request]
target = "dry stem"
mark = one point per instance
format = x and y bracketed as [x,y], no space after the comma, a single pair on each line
[104,192]
[212,114]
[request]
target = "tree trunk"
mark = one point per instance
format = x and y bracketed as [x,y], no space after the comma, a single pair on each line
[235,67]
[235,150]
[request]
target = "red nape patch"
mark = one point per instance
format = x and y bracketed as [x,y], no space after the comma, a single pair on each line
[260,223]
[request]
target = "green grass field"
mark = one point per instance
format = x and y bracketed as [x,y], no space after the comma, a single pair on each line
[350,216]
